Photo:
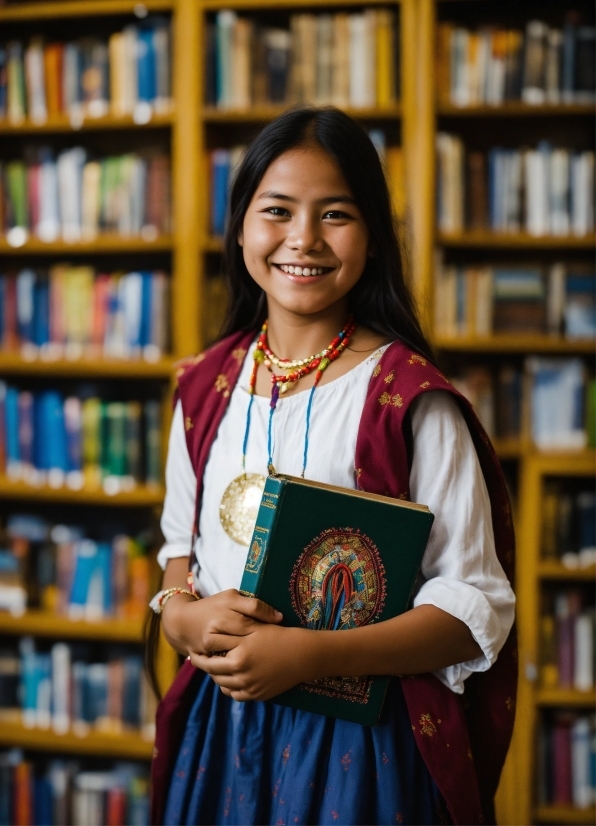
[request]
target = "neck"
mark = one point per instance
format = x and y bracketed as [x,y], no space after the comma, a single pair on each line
[293,336]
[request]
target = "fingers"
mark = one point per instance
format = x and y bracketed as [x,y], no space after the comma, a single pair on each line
[216,666]
[257,609]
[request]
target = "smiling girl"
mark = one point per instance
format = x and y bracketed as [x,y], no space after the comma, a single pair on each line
[323,371]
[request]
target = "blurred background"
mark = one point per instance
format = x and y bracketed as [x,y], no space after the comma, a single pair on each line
[121,124]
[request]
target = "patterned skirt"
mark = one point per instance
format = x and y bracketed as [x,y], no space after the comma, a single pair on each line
[260,763]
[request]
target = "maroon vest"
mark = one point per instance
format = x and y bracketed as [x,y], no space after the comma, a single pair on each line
[463,738]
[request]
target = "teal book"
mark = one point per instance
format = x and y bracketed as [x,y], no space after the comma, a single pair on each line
[331,558]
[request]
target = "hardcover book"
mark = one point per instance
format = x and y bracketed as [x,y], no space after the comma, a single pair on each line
[330,558]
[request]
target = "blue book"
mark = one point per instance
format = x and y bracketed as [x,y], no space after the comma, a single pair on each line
[568,63]
[146,308]
[29,680]
[43,802]
[26,428]
[146,65]
[85,563]
[25,304]
[580,306]
[53,431]
[220,174]
[3,82]
[96,699]
[492,187]
[41,311]
[2,427]
[11,423]
[104,572]
[133,668]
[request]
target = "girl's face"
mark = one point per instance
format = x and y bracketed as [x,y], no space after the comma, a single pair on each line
[304,239]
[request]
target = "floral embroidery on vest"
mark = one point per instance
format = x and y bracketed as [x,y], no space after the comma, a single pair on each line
[427,726]
[509,703]
[377,370]
[387,398]
[389,377]
[239,354]
[425,384]
[415,358]
[188,425]
[222,384]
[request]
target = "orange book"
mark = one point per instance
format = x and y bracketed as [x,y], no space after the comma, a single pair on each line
[116,807]
[23,795]
[138,572]
[53,62]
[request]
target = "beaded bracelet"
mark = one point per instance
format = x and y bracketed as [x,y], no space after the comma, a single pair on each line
[159,600]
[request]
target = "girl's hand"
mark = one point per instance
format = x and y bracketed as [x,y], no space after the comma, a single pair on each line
[263,663]
[205,626]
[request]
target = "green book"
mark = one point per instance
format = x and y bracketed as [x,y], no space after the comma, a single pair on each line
[333,558]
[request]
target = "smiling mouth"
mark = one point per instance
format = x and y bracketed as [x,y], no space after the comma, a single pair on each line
[291,269]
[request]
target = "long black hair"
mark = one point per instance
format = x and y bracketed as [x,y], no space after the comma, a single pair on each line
[381,299]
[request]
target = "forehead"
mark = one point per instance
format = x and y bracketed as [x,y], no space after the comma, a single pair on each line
[307,171]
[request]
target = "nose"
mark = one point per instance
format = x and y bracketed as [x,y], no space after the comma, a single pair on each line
[305,234]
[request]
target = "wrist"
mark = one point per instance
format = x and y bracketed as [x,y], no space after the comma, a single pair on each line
[174,620]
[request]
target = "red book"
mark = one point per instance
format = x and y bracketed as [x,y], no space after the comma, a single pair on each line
[33,195]
[23,795]
[116,808]
[101,300]
[562,785]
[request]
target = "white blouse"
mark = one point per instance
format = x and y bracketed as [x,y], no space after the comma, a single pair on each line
[460,570]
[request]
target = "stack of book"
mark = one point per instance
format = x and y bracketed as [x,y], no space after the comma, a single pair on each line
[541,65]
[74,311]
[542,191]
[497,399]
[568,526]
[59,689]
[65,793]
[347,60]
[223,164]
[47,438]
[483,300]
[567,644]
[76,197]
[61,569]
[566,756]
[128,74]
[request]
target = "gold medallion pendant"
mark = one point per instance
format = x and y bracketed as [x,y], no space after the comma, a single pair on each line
[240,505]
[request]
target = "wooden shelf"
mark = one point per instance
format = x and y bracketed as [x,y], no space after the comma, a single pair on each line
[509,448]
[516,109]
[564,814]
[514,240]
[101,244]
[65,124]
[216,5]
[140,497]
[263,114]
[129,745]
[47,624]
[15,363]
[515,343]
[551,569]
[565,697]
[38,11]
[565,463]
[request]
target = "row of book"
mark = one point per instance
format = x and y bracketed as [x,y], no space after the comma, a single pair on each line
[482,300]
[128,74]
[58,690]
[567,642]
[566,770]
[541,65]
[67,793]
[224,162]
[76,197]
[74,311]
[555,392]
[568,525]
[71,571]
[347,60]
[542,191]
[75,441]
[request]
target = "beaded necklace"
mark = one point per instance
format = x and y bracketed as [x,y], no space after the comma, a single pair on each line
[240,501]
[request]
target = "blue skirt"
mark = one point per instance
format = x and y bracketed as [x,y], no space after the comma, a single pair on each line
[260,763]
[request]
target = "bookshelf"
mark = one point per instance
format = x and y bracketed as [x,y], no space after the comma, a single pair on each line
[517,800]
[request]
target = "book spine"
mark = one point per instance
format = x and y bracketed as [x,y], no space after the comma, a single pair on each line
[261,538]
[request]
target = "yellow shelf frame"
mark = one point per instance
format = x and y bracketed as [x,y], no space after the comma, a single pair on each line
[516,109]
[478,239]
[561,815]
[14,363]
[263,114]
[83,8]
[40,623]
[101,244]
[515,343]
[140,497]
[89,124]
[566,697]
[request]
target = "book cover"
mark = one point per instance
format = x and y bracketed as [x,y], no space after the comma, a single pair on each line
[351,559]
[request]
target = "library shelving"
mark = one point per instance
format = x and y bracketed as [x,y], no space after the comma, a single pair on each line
[509,123]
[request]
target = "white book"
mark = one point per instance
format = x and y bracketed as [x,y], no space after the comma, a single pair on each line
[536,168]
[60,688]
[70,180]
[324,59]
[130,81]
[533,90]
[553,65]
[497,78]
[558,176]
[582,793]
[35,81]
[131,287]
[582,193]
[48,226]
[362,89]
[460,93]
[484,62]
[25,301]
[555,298]
[556,406]
[90,199]
[584,652]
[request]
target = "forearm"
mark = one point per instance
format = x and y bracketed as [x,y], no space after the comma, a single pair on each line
[423,639]
[175,576]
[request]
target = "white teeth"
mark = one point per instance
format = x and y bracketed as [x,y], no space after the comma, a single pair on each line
[297,270]
[290,269]
[306,271]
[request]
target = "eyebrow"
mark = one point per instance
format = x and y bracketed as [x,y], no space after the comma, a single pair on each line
[332,199]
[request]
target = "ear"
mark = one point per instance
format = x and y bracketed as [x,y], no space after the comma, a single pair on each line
[240,238]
